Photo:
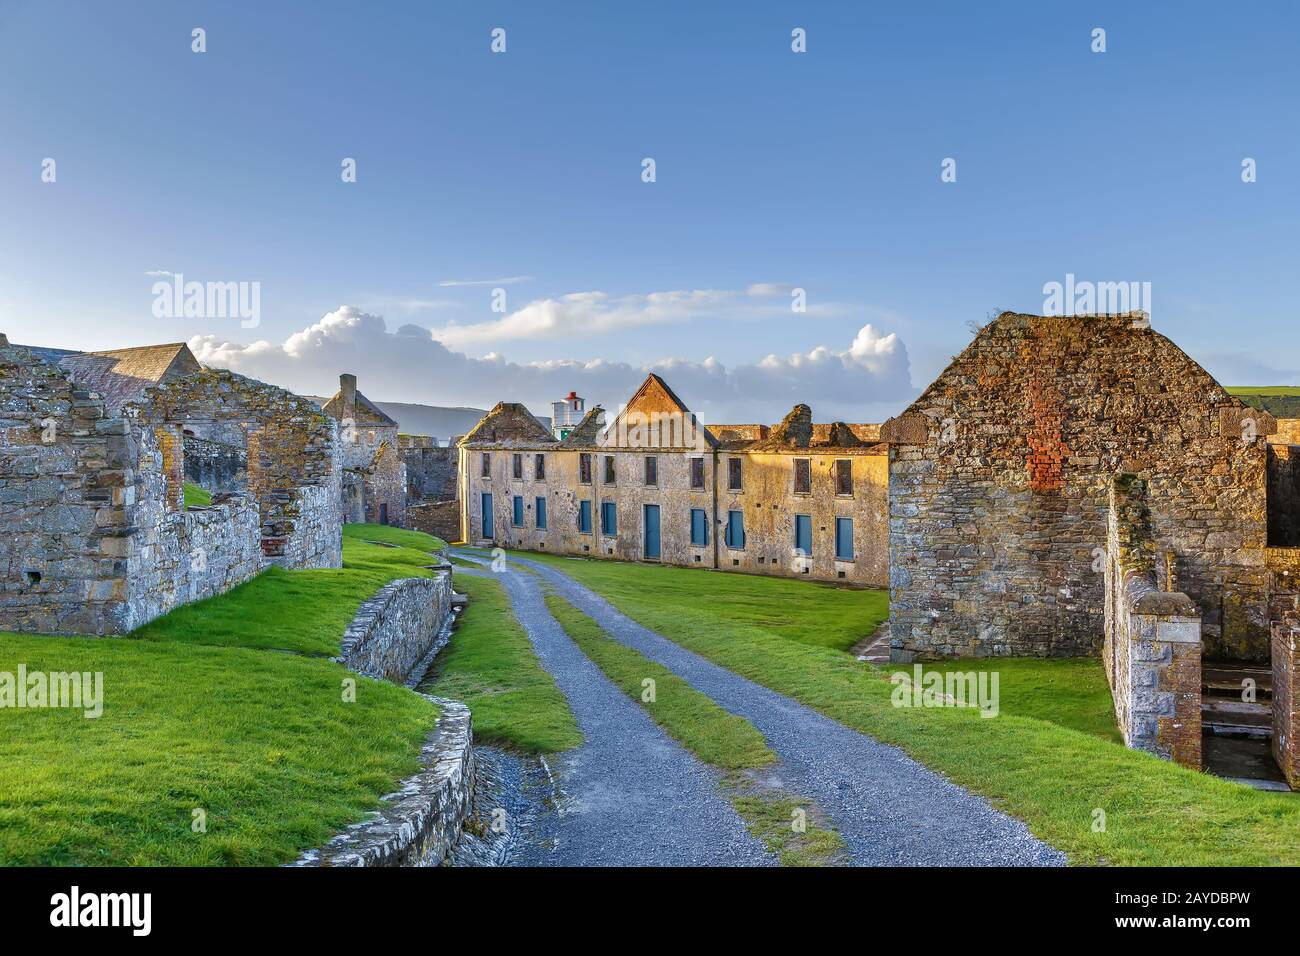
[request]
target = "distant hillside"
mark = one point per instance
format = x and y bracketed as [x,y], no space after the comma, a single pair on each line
[432,420]
[1280,401]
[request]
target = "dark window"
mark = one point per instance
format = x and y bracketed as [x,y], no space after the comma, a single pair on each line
[699,527]
[651,470]
[697,472]
[802,476]
[539,467]
[383,514]
[733,474]
[609,469]
[608,518]
[517,466]
[485,469]
[584,468]
[843,477]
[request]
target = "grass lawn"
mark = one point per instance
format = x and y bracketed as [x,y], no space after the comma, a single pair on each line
[1264,390]
[301,611]
[263,743]
[1050,770]
[843,615]
[196,496]
[1071,692]
[489,664]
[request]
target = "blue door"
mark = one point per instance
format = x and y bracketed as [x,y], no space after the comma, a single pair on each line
[803,534]
[485,508]
[652,531]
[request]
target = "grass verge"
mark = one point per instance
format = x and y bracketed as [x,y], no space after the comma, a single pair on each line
[301,611]
[263,744]
[196,496]
[489,664]
[725,740]
[1048,774]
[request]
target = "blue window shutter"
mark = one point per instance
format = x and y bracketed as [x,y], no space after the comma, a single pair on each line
[803,533]
[844,539]
[541,513]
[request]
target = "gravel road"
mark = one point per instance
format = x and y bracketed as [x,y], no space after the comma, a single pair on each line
[890,809]
[629,795]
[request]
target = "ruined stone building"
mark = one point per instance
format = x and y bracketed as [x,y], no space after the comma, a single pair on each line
[95,537]
[432,494]
[1080,485]
[374,470]
[654,484]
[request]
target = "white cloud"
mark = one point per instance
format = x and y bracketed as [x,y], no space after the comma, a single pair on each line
[864,382]
[593,313]
[508,280]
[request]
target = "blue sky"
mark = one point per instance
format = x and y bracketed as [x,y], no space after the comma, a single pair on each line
[774,170]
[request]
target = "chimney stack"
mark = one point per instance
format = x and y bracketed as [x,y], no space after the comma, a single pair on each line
[348,389]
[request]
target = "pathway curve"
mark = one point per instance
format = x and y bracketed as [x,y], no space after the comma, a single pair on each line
[889,809]
[629,795]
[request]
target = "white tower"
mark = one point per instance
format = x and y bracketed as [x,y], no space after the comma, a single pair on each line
[566,415]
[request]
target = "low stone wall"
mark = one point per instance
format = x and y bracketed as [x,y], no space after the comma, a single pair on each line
[1286,699]
[191,555]
[398,628]
[438,518]
[421,822]
[1152,647]
[314,538]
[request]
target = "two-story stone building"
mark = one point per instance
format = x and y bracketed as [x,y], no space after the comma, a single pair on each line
[655,484]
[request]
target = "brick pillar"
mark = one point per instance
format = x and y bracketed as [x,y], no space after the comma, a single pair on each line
[1286,699]
[171,444]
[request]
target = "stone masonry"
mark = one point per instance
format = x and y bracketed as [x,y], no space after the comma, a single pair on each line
[1152,648]
[94,535]
[999,480]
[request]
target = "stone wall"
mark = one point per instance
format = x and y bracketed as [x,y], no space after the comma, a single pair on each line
[174,556]
[438,518]
[217,466]
[420,823]
[999,476]
[1152,646]
[292,449]
[94,535]
[67,484]
[1286,699]
[430,469]
[399,627]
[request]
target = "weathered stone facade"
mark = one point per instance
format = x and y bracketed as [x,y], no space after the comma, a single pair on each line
[999,481]
[1286,698]
[1152,648]
[656,485]
[374,487]
[94,535]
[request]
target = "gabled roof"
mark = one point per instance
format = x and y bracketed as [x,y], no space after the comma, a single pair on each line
[365,412]
[509,423]
[587,430]
[655,401]
[122,375]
